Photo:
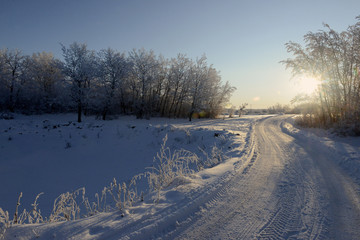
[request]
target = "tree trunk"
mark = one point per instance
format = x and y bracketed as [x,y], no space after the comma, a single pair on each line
[79,112]
[190,115]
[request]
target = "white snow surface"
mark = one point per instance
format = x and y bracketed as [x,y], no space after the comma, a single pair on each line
[54,154]
[279,182]
[345,149]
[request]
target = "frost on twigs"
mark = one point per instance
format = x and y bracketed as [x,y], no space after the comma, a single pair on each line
[34,216]
[169,165]
[216,157]
[4,222]
[170,170]
[122,195]
[16,215]
[65,207]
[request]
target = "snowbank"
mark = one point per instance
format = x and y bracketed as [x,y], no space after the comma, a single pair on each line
[346,149]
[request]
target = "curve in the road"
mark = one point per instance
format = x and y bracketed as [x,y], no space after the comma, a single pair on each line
[289,190]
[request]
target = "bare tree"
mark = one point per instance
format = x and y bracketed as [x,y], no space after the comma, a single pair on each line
[43,81]
[198,77]
[79,68]
[143,73]
[111,82]
[11,72]
[332,57]
[242,109]
[113,71]
[176,83]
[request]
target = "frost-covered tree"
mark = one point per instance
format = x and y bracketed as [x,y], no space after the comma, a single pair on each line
[160,74]
[333,58]
[109,82]
[207,94]
[11,71]
[79,69]
[279,108]
[176,85]
[199,73]
[43,82]
[218,94]
[143,76]
[113,70]
[3,82]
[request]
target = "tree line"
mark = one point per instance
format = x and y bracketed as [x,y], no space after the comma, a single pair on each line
[333,58]
[110,82]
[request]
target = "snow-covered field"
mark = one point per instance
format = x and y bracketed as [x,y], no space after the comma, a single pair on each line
[54,154]
[258,183]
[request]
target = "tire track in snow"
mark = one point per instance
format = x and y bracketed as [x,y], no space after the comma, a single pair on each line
[217,196]
[299,213]
[340,194]
[276,196]
[316,199]
[279,192]
[254,183]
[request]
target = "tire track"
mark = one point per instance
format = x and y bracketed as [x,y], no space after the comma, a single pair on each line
[276,196]
[225,192]
[300,213]
[280,191]
[251,189]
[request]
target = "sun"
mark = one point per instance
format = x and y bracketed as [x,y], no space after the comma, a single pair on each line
[307,85]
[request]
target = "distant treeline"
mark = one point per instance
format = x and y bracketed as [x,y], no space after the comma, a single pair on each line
[334,58]
[109,82]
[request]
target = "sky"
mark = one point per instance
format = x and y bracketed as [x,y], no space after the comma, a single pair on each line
[244,40]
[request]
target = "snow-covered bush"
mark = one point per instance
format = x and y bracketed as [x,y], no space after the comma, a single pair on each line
[91,208]
[170,168]
[122,194]
[216,157]
[34,216]
[169,165]
[4,222]
[115,190]
[66,207]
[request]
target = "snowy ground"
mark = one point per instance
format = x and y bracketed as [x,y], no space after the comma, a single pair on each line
[54,154]
[279,182]
[346,149]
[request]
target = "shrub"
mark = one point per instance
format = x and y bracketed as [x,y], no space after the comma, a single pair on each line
[4,222]
[66,207]
[169,165]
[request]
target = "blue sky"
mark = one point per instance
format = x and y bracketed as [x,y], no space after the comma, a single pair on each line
[244,40]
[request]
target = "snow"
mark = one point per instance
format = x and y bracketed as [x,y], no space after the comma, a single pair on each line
[267,177]
[54,154]
[290,189]
[346,149]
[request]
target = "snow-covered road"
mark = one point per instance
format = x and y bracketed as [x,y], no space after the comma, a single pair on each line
[290,190]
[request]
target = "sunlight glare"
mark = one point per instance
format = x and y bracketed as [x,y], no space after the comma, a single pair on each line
[307,85]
